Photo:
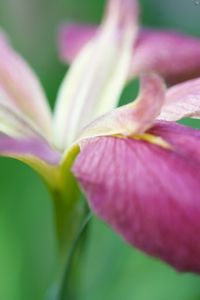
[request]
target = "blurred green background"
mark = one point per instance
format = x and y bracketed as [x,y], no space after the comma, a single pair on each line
[111,270]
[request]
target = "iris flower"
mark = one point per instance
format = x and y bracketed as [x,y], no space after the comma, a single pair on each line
[140,172]
[138,169]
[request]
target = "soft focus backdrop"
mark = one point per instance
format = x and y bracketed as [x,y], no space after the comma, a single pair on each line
[111,270]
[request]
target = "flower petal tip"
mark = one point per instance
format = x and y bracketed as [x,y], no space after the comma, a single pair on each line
[173,55]
[134,118]
[126,12]
[4,40]
[182,101]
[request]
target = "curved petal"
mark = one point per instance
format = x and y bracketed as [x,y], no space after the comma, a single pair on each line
[185,140]
[20,138]
[28,148]
[24,90]
[11,121]
[148,194]
[182,100]
[134,118]
[35,152]
[96,79]
[174,56]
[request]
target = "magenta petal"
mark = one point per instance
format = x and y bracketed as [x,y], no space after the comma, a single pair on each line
[148,194]
[72,37]
[28,148]
[184,140]
[173,55]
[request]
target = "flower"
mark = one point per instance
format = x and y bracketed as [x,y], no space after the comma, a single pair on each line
[30,132]
[28,129]
[175,56]
[140,171]
[138,168]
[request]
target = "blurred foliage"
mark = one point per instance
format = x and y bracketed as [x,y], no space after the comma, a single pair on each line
[111,270]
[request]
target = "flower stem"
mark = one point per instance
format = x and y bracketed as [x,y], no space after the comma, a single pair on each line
[69,210]
[68,287]
[71,219]
[68,218]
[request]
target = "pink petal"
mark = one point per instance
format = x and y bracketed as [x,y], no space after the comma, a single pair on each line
[28,149]
[182,100]
[173,55]
[24,90]
[148,194]
[36,153]
[134,118]
[72,38]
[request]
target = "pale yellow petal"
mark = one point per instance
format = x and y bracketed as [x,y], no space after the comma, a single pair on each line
[97,77]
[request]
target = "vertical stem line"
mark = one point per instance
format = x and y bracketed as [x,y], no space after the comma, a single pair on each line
[68,291]
[71,219]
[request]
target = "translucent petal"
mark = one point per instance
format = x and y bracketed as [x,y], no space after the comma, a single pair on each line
[134,118]
[182,100]
[23,89]
[97,76]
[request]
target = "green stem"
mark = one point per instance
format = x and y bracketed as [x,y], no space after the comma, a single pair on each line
[68,287]
[71,218]
[68,209]
[68,218]
[71,224]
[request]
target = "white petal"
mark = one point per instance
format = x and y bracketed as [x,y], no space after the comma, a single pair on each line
[25,92]
[96,79]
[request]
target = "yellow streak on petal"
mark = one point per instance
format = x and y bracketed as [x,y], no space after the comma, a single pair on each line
[153,139]
[147,137]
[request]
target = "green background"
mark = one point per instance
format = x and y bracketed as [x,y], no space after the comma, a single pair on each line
[111,270]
